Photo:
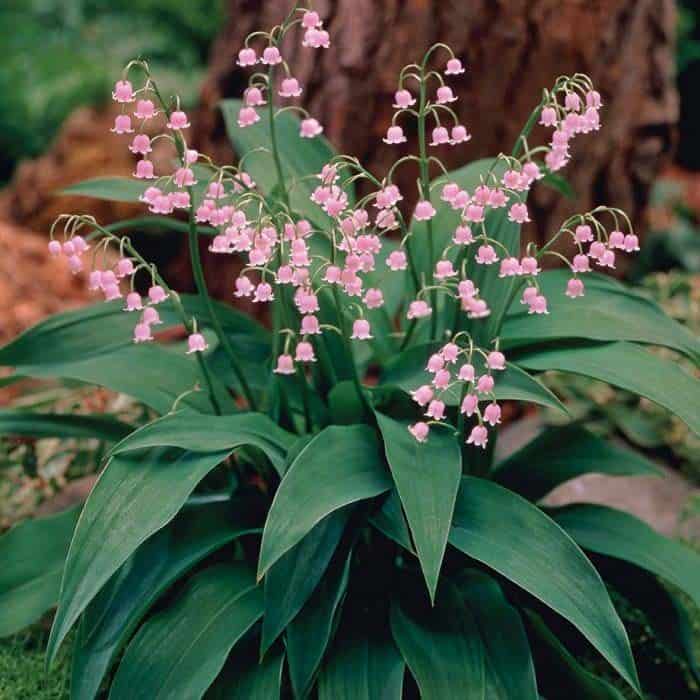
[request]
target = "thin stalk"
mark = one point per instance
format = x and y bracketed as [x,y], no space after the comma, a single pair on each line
[273,136]
[200,282]
[425,194]
[203,293]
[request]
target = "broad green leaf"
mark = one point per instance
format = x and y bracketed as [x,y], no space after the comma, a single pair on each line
[291,580]
[390,521]
[427,478]
[507,533]
[408,372]
[441,646]
[114,613]
[95,345]
[179,652]
[128,189]
[115,189]
[309,633]
[245,677]
[341,465]
[607,311]
[617,534]
[510,672]
[560,454]
[560,674]
[299,157]
[136,495]
[195,432]
[32,554]
[69,425]
[362,667]
[629,367]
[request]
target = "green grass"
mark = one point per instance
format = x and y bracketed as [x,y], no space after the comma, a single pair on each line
[22,672]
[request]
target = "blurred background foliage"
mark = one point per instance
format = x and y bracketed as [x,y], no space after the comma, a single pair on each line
[60,54]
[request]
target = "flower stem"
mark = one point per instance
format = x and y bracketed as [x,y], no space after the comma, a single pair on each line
[197,271]
[425,194]
[203,293]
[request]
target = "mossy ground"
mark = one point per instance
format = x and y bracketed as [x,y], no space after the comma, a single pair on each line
[23,675]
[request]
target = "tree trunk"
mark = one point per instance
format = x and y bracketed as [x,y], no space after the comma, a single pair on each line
[512,49]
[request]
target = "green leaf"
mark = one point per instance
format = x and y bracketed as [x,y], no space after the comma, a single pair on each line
[136,495]
[561,675]
[390,521]
[179,652]
[299,157]
[309,633]
[510,672]
[441,646]
[291,580]
[427,478]
[128,189]
[560,454]
[362,667]
[512,536]
[32,555]
[559,184]
[195,432]
[617,534]
[44,425]
[341,465]
[246,678]
[115,189]
[629,367]
[408,372]
[114,613]
[608,311]
[95,345]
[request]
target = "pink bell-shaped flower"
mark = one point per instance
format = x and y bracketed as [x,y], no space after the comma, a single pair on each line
[178,120]
[142,333]
[310,128]
[478,437]
[361,330]
[394,135]
[145,109]
[122,124]
[290,88]
[247,57]
[157,294]
[144,170]
[424,211]
[285,365]
[271,56]
[454,67]
[123,91]
[305,352]
[419,431]
[196,343]
[133,302]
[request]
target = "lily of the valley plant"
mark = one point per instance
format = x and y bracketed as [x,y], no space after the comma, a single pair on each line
[318,509]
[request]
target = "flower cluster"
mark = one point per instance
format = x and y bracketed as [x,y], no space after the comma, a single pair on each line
[453,366]
[262,84]
[341,255]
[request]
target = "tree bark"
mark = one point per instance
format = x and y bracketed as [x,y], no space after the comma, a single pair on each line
[512,49]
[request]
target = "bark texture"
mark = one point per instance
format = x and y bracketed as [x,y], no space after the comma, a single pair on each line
[513,49]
